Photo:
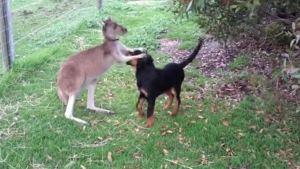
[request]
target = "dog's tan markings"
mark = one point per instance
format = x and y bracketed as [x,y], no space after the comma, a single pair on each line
[82,70]
[140,107]
[150,121]
[176,107]
[170,101]
[133,64]
[144,91]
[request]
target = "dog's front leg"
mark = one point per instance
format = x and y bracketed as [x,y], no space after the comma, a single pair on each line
[150,111]
[69,110]
[120,57]
[91,100]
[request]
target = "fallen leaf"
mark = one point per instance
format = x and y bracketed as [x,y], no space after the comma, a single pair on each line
[261,130]
[116,123]
[119,150]
[170,131]
[176,124]
[206,120]
[93,123]
[82,167]
[175,162]
[246,165]
[258,111]
[109,156]
[192,122]
[180,130]
[100,138]
[83,128]
[240,135]
[200,117]
[281,153]
[214,109]
[163,133]
[199,161]
[159,143]
[137,155]
[180,138]
[165,152]
[225,123]
[163,128]
[49,157]
[188,106]
[253,127]
[199,106]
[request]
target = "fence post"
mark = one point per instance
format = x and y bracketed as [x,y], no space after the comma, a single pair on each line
[7,45]
[100,4]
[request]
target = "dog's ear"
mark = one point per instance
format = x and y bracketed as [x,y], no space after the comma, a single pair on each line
[136,52]
[150,60]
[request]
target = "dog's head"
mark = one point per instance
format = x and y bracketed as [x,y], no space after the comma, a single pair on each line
[141,62]
[112,29]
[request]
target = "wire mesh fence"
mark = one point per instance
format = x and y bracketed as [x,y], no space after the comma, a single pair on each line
[39,23]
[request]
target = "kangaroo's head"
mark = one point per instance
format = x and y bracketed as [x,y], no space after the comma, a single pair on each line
[112,29]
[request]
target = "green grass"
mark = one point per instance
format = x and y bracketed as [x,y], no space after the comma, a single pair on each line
[35,134]
[239,62]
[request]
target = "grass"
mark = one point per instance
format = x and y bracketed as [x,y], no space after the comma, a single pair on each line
[239,62]
[208,133]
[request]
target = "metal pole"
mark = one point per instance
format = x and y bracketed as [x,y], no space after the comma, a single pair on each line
[6,35]
[100,4]
[10,33]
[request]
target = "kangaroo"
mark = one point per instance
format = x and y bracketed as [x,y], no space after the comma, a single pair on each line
[81,71]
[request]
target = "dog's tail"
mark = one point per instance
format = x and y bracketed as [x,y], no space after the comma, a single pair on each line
[193,55]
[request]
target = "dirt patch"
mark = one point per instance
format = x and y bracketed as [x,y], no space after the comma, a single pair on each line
[211,57]
[214,63]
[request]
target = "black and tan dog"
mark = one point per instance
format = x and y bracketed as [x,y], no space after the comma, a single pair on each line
[152,82]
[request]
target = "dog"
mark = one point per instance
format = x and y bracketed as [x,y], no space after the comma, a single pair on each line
[152,82]
[82,70]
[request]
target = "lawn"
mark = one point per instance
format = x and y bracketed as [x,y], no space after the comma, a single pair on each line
[258,132]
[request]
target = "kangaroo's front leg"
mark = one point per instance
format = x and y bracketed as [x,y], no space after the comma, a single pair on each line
[120,57]
[127,49]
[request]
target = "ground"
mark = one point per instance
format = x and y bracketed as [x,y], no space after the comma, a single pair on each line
[227,119]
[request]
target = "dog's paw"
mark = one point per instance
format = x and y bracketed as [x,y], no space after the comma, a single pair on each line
[150,121]
[140,114]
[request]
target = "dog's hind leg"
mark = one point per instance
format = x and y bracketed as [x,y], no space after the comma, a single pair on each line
[69,110]
[150,111]
[177,89]
[139,105]
[91,100]
[170,101]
